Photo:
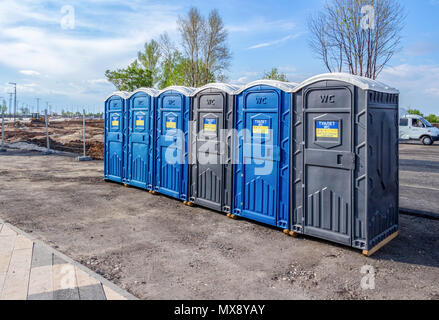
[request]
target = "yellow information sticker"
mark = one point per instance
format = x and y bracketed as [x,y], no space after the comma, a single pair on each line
[140,121]
[210,125]
[171,123]
[327,129]
[261,127]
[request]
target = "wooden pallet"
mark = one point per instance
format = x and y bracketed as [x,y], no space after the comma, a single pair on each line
[370,252]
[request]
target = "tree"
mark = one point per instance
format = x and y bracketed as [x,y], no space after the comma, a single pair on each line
[215,50]
[204,58]
[358,36]
[415,112]
[173,65]
[205,47]
[131,78]
[275,75]
[432,118]
[150,59]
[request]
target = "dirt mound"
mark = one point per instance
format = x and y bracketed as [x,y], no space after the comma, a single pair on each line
[65,135]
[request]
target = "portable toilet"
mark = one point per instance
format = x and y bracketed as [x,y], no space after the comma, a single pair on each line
[139,161]
[345,161]
[115,126]
[211,147]
[262,152]
[171,142]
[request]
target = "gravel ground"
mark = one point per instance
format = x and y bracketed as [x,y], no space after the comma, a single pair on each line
[157,248]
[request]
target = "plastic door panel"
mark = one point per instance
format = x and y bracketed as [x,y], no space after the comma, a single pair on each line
[139,141]
[260,157]
[114,139]
[170,146]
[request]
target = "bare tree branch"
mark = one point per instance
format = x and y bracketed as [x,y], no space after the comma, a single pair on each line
[341,41]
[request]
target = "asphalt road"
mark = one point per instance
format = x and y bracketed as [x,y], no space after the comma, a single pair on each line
[419,177]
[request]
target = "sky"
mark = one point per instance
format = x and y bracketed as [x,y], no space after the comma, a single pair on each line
[64,64]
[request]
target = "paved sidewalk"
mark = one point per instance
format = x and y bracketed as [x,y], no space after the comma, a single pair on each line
[30,270]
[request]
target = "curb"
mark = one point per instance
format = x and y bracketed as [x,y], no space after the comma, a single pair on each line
[104,281]
[419,214]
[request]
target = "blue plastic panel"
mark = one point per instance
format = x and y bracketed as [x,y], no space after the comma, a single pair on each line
[114,138]
[261,171]
[171,144]
[139,164]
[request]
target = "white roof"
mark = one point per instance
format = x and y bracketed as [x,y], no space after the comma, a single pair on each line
[152,92]
[122,94]
[284,86]
[187,91]
[361,82]
[412,116]
[228,88]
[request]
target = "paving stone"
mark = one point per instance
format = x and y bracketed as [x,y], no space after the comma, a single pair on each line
[41,283]
[112,295]
[7,243]
[89,287]
[2,282]
[6,231]
[17,277]
[22,242]
[5,259]
[64,282]
[93,292]
[32,271]
[41,256]
[58,260]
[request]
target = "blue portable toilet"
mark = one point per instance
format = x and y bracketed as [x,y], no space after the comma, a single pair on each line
[139,160]
[171,142]
[115,126]
[262,152]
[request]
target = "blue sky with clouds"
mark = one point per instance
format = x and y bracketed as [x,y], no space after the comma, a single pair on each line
[66,67]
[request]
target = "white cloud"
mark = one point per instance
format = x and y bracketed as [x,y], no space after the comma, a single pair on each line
[262,25]
[73,62]
[433,91]
[275,42]
[418,84]
[30,72]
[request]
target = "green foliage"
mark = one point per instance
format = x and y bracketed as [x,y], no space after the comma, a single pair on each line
[149,59]
[275,75]
[204,57]
[172,71]
[415,112]
[432,118]
[131,78]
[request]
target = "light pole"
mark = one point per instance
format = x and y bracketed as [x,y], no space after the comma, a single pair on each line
[10,103]
[2,146]
[38,105]
[15,98]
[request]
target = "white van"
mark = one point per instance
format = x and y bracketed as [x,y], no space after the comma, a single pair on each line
[413,127]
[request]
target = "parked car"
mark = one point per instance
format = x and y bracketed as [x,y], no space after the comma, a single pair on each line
[414,127]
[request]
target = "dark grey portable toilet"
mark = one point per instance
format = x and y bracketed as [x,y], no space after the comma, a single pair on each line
[345,161]
[211,147]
